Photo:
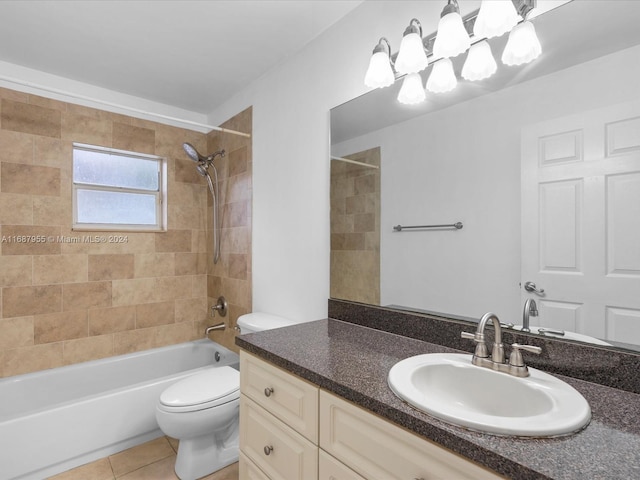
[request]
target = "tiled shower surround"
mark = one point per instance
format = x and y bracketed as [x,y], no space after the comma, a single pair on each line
[63,302]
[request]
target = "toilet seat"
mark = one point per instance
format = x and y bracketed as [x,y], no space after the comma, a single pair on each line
[210,388]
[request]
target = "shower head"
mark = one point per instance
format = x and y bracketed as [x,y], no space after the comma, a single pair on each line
[193,153]
[202,169]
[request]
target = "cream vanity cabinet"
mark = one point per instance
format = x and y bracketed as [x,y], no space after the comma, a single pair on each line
[292,430]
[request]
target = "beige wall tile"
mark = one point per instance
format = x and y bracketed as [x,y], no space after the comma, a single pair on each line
[153,314]
[187,216]
[52,152]
[78,296]
[23,301]
[30,179]
[15,270]
[364,222]
[134,291]
[57,327]
[15,147]
[14,95]
[191,309]
[173,241]
[236,291]
[133,340]
[185,171]
[172,288]
[154,264]
[40,240]
[85,349]
[190,263]
[21,117]
[174,333]
[50,269]
[236,240]
[238,161]
[52,211]
[214,286]
[47,103]
[239,188]
[111,267]
[236,214]
[86,129]
[31,359]
[199,286]
[134,138]
[15,209]
[107,320]
[16,332]
[238,266]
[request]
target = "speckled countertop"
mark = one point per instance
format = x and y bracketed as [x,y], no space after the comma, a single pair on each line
[352,361]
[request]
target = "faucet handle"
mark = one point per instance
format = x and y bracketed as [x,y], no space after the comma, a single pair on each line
[515,359]
[481,347]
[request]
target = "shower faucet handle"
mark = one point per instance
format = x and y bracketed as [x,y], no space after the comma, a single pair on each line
[221,307]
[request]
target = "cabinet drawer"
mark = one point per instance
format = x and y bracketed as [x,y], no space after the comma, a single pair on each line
[279,451]
[248,470]
[376,448]
[291,399]
[331,469]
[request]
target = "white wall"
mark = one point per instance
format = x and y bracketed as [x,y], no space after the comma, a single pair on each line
[463,164]
[291,106]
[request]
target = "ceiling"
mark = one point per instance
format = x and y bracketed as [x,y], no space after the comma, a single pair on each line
[188,54]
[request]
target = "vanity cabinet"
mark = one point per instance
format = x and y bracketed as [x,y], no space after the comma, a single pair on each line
[292,430]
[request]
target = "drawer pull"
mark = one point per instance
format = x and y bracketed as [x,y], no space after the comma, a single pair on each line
[268,449]
[268,391]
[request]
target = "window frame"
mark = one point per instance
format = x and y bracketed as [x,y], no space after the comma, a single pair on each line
[160,194]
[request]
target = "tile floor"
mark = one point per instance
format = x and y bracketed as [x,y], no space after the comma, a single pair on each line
[153,460]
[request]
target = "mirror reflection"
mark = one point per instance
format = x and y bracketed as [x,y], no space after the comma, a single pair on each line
[541,165]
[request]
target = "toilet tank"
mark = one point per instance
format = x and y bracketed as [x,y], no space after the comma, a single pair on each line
[258,321]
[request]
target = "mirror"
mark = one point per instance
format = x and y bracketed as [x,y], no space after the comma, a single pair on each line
[466,156]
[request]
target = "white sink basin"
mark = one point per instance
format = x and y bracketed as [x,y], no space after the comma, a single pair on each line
[450,388]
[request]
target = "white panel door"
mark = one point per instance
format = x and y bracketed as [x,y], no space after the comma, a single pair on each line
[581,221]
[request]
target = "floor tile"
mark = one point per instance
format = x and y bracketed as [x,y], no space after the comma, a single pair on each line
[136,457]
[227,473]
[160,470]
[98,470]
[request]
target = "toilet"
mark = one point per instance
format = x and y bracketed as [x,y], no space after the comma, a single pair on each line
[202,411]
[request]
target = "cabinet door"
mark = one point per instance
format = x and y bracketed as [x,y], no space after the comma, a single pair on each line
[377,449]
[249,471]
[291,399]
[279,451]
[331,469]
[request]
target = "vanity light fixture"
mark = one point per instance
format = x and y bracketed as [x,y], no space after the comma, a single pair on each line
[380,72]
[411,58]
[412,91]
[495,18]
[480,63]
[442,78]
[523,45]
[452,38]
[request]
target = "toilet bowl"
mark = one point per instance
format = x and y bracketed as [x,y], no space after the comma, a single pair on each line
[202,413]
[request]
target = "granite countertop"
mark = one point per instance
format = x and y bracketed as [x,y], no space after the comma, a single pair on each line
[352,361]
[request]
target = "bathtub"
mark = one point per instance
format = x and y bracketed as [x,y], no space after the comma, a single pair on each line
[55,420]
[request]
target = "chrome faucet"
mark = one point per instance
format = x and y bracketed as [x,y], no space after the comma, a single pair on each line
[219,326]
[480,358]
[530,309]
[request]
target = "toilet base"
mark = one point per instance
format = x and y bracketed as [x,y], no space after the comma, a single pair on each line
[201,456]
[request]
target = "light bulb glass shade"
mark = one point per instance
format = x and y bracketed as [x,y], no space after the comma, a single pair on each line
[412,91]
[480,63]
[495,18]
[442,78]
[411,58]
[452,39]
[523,45]
[379,74]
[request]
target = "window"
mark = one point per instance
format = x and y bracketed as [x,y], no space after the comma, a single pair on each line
[118,190]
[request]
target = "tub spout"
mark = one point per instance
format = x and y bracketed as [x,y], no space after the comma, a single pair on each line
[219,326]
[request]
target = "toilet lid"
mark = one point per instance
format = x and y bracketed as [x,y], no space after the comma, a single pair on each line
[206,389]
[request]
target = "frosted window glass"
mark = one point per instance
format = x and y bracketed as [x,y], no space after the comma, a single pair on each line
[97,206]
[107,169]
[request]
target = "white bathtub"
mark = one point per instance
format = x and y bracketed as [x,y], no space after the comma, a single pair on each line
[54,420]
